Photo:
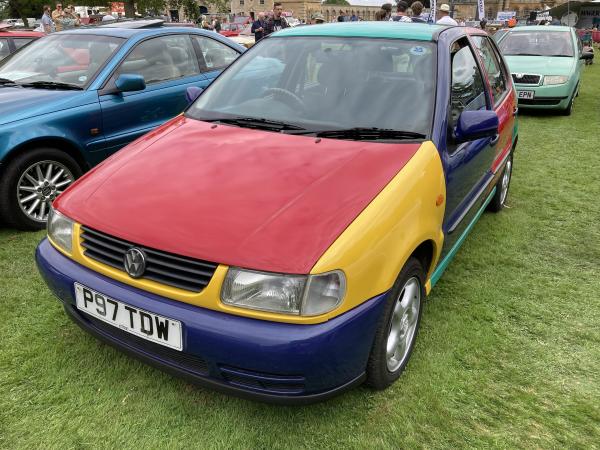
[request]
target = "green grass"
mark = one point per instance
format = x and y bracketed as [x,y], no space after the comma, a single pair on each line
[508,354]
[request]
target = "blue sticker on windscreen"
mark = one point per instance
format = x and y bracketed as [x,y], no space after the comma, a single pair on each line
[418,50]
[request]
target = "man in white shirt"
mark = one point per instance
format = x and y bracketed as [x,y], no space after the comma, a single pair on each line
[444,15]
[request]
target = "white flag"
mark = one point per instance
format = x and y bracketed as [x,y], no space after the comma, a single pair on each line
[432,11]
[481,9]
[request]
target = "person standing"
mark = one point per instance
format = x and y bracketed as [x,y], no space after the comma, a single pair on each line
[417,10]
[69,19]
[57,16]
[401,15]
[47,24]
[277,22]
[258,27]
[444,16]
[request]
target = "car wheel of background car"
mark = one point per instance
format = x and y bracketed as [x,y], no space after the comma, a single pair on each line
[569,109]
[29,184]
[398,326]
[499,200]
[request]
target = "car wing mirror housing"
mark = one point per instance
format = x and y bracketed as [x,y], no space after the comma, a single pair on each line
[473,125]
[129,82]
[587,55]
[192,93]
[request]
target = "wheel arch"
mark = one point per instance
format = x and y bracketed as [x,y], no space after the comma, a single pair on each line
[58,143]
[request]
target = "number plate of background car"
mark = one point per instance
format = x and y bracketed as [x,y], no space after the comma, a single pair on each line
[525,94]
[144,324]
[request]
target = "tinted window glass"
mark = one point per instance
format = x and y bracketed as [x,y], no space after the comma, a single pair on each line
[20,42]
[215,55]
[537,43]
[161,59]
[328,83]
[4,51]
[492,65]
[468,92]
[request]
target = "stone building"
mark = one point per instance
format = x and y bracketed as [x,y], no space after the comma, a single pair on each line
[250,7]
[365,9]
[467,9]
[302,10]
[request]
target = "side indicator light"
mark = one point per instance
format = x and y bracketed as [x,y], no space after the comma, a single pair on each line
[439,200]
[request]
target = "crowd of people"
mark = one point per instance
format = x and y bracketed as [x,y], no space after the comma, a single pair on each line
[59,19]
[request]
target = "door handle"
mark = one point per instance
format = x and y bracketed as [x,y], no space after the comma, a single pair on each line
[495,140]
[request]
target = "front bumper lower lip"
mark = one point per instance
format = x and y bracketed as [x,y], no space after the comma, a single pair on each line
[288,363]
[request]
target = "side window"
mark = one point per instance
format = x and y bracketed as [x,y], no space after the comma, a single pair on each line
[20,42]
[161,59]
[4,51]
[468,92]
[216,55]
[493,67]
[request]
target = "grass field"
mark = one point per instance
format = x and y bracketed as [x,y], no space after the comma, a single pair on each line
[508,354]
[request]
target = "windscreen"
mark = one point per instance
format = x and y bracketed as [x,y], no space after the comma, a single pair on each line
[328,83]
[537,43]
[73,59]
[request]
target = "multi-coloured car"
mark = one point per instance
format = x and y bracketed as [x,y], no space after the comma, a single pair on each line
[13,40]
[71,99]
[545,62]
[278,239]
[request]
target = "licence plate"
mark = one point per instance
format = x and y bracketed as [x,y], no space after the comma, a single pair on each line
[526,94]
[144,324]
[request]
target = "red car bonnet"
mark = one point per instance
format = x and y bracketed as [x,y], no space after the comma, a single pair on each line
[241,197]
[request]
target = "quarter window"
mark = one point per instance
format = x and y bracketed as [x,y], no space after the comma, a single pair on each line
[20,42]
[4,51]
[161,59]
[468,92]
[214,54]
[493,67]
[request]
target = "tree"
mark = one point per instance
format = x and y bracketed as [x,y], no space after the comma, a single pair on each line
[336,2]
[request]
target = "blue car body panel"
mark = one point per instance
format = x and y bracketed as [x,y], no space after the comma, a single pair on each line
[90,122]
[286,361]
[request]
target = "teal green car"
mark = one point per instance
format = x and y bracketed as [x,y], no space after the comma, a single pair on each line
[545,63]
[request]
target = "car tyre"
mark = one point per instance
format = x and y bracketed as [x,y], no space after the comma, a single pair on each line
[498,202]
[30,182]
[398,327]
[569,109]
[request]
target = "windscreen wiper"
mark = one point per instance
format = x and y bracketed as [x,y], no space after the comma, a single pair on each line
[257,122]
[52,85]
[6,81]
[375,133]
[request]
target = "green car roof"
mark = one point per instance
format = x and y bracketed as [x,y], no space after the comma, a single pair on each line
[388,30]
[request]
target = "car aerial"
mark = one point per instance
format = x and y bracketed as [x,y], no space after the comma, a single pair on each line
[71,99]
[545,62]
[278,239]
[13,40]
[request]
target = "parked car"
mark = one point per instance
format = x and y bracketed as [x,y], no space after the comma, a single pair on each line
[545,63]
[73,98]
[12,40]
[245,36]
[231,29]
[278,239]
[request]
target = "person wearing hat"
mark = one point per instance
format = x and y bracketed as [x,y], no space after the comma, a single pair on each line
[444,15]
[318,18]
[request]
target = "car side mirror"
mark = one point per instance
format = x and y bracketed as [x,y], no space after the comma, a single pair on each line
[587,55]
[192,93]
[129,82]
[473,125]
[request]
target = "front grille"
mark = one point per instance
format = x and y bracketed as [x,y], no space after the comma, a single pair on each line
[186,361]
[165,268]
[275,384]
[527,79]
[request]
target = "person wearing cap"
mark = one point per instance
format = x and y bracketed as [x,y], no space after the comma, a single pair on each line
[444,15]
[318,19]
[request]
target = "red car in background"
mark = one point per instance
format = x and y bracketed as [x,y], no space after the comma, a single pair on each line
[11,41]
[231,29]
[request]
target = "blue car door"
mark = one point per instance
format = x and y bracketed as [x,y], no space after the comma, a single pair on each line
[169,64]
[467,164]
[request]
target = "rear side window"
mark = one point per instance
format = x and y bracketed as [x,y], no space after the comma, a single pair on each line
[468,91]
[4,51]
[20,42]
[216,55]
[493,67]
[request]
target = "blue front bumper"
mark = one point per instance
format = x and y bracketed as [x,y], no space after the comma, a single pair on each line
[269,361]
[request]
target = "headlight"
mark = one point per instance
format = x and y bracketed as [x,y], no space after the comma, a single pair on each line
[555,79]
[60,230]
[306,295]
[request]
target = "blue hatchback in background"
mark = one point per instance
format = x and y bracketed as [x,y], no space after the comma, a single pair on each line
[71,99]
